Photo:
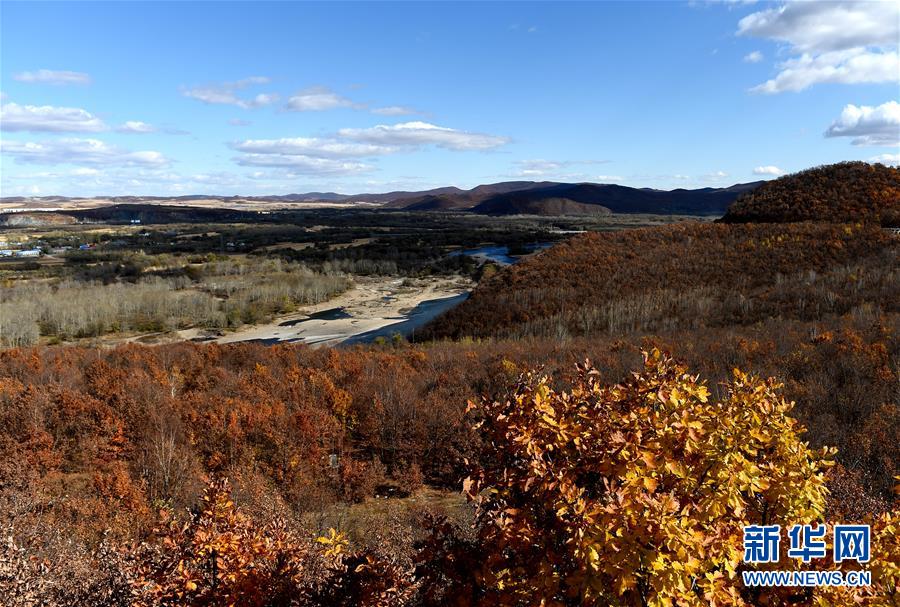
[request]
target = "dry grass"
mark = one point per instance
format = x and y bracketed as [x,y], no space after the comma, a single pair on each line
[378,518]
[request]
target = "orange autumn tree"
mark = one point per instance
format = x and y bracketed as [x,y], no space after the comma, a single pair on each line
[219,557]
[633,494]
[222,557]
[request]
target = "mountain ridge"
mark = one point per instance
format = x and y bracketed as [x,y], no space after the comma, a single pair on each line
[501,198]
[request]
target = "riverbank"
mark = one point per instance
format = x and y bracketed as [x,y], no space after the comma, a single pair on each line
[373,307]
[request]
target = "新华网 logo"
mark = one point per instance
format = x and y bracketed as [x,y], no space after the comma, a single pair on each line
[762,544]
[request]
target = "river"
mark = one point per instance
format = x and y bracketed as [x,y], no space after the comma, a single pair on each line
[499,254]
[373,307]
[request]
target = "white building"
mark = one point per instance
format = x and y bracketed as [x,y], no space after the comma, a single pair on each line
[28,253]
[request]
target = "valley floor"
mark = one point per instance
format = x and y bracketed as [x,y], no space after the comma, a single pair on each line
[371,307]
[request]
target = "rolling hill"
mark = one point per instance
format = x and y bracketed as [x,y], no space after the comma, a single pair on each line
[447,199]
[552,198]
[614,198]
[844,192]
[683,276]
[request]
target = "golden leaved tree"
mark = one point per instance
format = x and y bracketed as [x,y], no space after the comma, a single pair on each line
[633,494]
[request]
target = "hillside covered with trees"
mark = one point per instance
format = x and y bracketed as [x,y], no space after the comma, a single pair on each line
[685,276]
[842,193]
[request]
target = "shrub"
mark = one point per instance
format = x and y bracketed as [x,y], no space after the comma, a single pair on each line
[634,494]
[222,557]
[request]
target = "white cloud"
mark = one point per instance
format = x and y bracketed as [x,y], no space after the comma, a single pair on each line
[76,172]
[336,155]
[552,168]
[136,126]
[714,177]
[309,155]
[312,146]
[888,159]
[851,66]
[53,77]
[130,180]
[226,93]
[879,126]
[264,99]
[394,110]
[304,165]
[768,170]
[608,178]
[416,134]
[46,118]
[84,172]
[754,57]
[832,42]
[80,152]
[541,166]
[15,117]
[239,122]
[826,26]
[317,99]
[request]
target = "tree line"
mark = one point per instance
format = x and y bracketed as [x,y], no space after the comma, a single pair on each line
[218,294]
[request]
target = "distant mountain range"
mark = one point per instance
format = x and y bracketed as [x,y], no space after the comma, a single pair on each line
[554,198]
[504,198]
[842,192]
[584,198]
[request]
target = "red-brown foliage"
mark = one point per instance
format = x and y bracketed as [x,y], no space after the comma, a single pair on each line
[843,192]
[220,556]
[682,276]
[157,422]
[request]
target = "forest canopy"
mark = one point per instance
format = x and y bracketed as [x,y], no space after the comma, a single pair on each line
[842,193]
[690,275]
[631,494]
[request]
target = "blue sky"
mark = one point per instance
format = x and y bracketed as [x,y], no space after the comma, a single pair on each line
[253,98]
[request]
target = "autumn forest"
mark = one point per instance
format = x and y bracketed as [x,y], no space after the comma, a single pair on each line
[593,425]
